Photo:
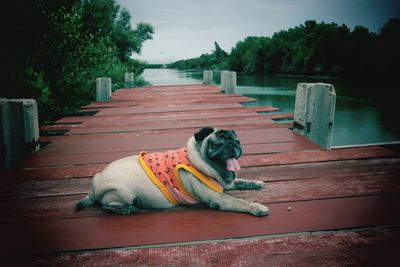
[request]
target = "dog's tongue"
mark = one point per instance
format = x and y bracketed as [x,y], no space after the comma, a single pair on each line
[232,165]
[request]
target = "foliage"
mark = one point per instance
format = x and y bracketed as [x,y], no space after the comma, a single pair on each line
[314,49]
[70,44]
[218,59]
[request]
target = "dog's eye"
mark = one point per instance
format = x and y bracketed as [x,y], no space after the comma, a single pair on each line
[216,145]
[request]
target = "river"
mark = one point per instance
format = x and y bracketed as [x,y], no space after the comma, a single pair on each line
[358,120]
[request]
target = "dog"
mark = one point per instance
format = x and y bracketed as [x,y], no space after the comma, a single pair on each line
[197,173]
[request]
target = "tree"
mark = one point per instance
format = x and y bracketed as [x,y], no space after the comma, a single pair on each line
[69,45]
[388,43]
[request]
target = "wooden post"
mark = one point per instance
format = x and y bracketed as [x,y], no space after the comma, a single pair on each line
[103,89]
[19,130]
[207,77]
[315,112]
[228,81]
[129,80]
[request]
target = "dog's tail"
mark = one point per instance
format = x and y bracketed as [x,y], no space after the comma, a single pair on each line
[90,199]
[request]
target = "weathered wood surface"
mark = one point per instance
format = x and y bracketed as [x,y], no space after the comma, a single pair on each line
[369,247]
[326,190]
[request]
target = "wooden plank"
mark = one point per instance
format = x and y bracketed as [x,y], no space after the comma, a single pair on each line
[360,174]
[336,187]
[19,238]
[183,100]
[159,132]
[139,120]
[314,170]
[106,157]
[116,122]
[148,99]
[247,160]
[318,156]
[57,127]
[177,114]
[50,199]
[139,110]
[58,172]
[83,170]
[112,144]
[369,247]
[195,123]
[250,135]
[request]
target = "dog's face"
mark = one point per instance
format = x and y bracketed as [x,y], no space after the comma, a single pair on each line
[222,148]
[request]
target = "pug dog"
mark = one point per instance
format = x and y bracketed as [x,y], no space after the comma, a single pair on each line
[204,169]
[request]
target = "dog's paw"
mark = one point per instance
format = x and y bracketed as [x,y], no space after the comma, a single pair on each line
[258,185]
[259,210]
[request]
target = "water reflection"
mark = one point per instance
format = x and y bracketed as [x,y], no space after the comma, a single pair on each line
[358,120]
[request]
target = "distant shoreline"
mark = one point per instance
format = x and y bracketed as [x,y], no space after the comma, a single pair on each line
[316,77]
[323,77]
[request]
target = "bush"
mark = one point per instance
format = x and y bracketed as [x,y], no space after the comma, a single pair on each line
[77,42]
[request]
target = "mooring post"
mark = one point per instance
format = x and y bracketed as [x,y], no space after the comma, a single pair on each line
[103,89]
[228,81]
[129,80]
[19,130]
[207,76]
[315,112]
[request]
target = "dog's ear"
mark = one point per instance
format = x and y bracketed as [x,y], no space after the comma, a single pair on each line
[203,133]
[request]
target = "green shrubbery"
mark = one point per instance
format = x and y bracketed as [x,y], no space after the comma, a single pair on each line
[313,49]
[218,59]
[72,43]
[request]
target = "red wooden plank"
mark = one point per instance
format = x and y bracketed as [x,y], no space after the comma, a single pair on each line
[181,100]
[34,205]
[308,189]
[160,132]
[246,161]
[177,114]
[195,123]
[58,172]
[20,238]
[332,169]
[371,247]
[317,156]
[346,178]
[58,127]
[358,177]
[105,157]
[116,122]
[250,135]
[112,144]
[139,110]
[111,121]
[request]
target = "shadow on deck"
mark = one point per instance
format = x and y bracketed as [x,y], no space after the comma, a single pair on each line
[337,207]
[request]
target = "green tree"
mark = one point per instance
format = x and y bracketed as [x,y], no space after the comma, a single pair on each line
[69,45]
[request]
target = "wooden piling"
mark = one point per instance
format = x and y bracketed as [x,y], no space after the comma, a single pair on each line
[103,89]
[207,77]
[129,80]
[19,130]
[228,81]
[315,112]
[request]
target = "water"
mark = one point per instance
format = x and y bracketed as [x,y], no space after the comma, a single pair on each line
[358,120]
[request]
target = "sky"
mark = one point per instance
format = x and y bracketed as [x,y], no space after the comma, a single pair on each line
[188,28]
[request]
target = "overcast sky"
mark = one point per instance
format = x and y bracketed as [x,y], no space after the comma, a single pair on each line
[188,28]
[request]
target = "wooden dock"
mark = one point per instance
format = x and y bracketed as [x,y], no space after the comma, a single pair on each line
[328,208]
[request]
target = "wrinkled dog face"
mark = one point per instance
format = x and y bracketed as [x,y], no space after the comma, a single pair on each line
[221,147]
[224,145]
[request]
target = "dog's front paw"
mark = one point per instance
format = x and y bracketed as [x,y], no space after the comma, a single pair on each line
[258,185]
[259,210]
